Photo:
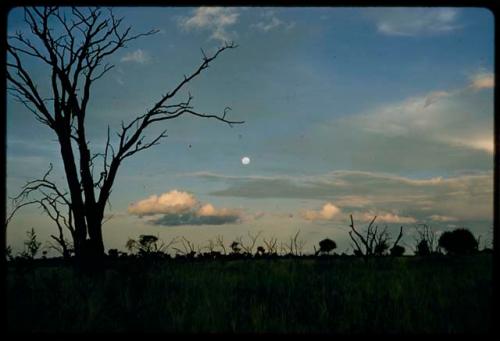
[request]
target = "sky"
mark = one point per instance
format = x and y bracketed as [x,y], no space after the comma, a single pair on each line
[362,111]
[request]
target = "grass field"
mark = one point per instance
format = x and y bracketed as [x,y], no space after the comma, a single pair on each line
[340,295]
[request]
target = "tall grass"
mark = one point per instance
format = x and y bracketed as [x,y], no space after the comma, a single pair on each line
[342,295]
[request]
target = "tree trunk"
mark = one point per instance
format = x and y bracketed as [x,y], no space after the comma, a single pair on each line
[77,206]
[96,244]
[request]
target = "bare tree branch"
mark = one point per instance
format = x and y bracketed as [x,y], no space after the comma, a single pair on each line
[75,43]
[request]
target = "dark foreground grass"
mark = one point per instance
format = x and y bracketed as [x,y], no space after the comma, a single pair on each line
[342,295]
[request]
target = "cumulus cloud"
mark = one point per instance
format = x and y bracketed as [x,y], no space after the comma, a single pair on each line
[182,208]
[138,56]
[217,20]
[208,210]
[482,80]
[171,202]
[327,212]
[414,21]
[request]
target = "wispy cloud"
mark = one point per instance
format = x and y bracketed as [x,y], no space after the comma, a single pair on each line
[482,80]
[386,217]
[446,116]
[442,218]
[217,20]
[270,21]
[466,197]
[435,96]
[138,56]
[182,208]
[414,21]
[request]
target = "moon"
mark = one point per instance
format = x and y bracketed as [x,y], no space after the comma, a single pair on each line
[245,160]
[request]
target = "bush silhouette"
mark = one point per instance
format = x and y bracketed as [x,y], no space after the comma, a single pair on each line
[381,248]
[260,251]
[460,241]
[397,250]
[326,246]
[423,248]
[147,245]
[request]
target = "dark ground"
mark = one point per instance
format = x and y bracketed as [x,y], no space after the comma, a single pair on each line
[336,294]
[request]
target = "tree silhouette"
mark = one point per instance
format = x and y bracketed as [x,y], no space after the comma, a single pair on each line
[54,203]
[326,246]
[425,241]
[458,242]
[397,250]
[74,43]
[373,242]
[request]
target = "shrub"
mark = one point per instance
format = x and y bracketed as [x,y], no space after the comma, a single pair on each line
[397,251]
[459,241]
[147,245]
[423,248]
[326,246]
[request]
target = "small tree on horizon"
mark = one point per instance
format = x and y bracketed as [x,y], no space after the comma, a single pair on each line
[373,242]
[326,246]
[426,241]
[458,242]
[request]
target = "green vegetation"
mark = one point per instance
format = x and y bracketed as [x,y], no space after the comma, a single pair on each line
[435,294]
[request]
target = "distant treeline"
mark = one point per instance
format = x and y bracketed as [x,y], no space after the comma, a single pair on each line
[370,242]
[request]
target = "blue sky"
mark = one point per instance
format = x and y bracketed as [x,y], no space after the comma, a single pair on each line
[385,111]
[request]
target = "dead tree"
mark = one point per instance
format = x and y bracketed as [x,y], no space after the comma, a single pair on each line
[54,203]
[426,242]
[248,248]
[188,248]
[219,240]
[74,44]
[294,247]
[374,241]
[396,249]
[271,245]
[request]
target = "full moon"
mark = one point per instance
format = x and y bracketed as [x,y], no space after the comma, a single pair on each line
[245,160]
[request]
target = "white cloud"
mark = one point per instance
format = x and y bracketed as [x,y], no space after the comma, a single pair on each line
[482,80]
[270,22]
[171,202]
[137,56]
[215,19]
[208,210]
[455,117]
[327,212]
[435,96]
[484,143]
[181,208]
[389,218]
[442,218]
[414,21]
